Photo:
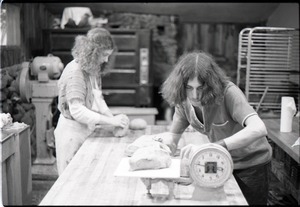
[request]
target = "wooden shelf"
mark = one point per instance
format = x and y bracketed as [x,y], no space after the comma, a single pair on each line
[148,114]
[130,82]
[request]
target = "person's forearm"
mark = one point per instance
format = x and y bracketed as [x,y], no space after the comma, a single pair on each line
[246,136]
[103,108]
[83,115]
[176,137]
[108,113]
[176,131]
[222,143]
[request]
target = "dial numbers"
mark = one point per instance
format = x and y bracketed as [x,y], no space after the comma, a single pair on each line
[211,166]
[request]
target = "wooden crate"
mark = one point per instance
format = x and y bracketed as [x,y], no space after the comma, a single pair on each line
[16,167]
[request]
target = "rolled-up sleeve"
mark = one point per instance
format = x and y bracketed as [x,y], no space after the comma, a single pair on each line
[75,87]
[237,105]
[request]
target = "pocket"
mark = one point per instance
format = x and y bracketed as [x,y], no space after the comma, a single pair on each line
[220,124]
[221,129]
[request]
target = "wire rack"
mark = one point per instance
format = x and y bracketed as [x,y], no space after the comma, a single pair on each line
[268,65]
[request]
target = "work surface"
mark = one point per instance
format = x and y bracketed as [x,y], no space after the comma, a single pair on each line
[89,178]
[285,140]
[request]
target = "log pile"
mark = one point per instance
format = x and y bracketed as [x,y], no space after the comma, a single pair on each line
[11,102]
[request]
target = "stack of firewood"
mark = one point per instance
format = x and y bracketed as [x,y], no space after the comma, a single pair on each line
[11,101]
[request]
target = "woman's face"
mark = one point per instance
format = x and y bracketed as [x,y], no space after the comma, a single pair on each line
[194,91]
[105,55]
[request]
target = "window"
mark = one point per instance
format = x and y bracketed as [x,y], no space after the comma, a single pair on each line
[10,25]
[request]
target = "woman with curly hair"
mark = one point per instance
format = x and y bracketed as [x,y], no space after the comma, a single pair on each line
[204,98]
[80,99]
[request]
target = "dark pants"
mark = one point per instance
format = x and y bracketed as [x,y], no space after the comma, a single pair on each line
[254,183]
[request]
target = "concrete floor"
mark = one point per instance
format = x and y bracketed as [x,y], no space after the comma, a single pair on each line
[40,189]
[277,194]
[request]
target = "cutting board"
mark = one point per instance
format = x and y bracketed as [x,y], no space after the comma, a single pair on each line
[123,170]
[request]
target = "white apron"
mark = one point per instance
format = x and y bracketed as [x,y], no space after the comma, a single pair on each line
[99,105]
[70,134]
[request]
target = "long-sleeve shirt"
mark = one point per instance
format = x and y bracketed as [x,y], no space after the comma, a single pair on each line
[75,96]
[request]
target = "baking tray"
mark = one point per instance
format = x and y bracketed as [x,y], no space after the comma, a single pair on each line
[123,170]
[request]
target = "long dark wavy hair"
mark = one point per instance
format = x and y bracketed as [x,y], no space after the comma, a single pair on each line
[87,50]
[195,64]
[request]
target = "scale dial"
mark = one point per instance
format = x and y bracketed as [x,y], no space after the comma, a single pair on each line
[210,166]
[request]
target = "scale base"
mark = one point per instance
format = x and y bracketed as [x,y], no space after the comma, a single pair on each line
[208,194]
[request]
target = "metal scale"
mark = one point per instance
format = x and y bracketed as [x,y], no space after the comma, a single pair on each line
[205,173]
[38,85]
[209,167]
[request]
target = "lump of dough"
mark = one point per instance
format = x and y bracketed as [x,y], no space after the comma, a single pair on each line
[120,132]
[145,141]
[150,158]
[138,123]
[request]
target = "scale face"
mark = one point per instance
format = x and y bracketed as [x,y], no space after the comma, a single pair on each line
[210,166]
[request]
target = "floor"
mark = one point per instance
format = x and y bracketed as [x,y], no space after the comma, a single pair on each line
[277,194]
[40,189]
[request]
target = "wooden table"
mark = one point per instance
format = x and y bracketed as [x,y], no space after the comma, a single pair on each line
[89,178]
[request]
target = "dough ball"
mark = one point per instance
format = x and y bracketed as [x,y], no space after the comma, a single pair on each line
[120,132]
[138,123]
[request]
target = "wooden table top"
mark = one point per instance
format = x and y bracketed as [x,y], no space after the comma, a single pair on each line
[89,178]
[285,140]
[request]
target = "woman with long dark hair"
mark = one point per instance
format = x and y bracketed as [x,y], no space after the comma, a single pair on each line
[204,98]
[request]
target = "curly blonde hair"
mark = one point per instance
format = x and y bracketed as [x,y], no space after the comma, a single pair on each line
[87,50]
[195,64]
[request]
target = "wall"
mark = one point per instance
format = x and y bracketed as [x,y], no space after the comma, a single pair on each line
[286,15]
[32,18]
[214,12]
[10,24]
